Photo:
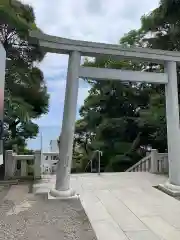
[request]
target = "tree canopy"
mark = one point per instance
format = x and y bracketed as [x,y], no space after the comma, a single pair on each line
[124,119]
[26,96]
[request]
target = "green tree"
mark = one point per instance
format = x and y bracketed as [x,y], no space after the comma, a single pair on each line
[26,95]
[124,119]
[113,111]
[163,27]
[152,120]
[110,115]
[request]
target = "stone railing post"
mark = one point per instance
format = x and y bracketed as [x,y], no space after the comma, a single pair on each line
[154,161]
[37,164]
[23,168]
[10,164]
[148,153]
[166,164]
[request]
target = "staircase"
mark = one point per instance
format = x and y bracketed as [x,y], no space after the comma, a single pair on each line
[154,162]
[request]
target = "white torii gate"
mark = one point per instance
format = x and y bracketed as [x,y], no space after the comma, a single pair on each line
[75,49]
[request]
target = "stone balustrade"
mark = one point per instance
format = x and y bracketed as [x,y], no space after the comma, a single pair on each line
[154,162]
[22,166]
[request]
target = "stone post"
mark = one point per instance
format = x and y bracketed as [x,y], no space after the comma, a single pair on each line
[23,168]
[172,116]
[166,164]
[2,81]
[67,133]
[154,161]
[10,164]
[37,164]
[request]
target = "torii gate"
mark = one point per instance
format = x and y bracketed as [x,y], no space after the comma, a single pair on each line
[75,49]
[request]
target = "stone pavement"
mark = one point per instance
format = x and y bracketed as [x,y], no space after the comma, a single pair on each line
[126,206]
[24,216]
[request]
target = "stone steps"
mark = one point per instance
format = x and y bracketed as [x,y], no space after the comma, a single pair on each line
[9,182]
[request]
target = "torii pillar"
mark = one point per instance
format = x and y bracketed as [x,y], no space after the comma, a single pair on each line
[2,82]
[63,189]
[172,116]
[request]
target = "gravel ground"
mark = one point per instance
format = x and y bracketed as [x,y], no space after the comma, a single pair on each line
[24,216]
[3,192]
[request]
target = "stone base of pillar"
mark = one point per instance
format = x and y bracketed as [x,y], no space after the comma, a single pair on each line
[170,189]
[68,194]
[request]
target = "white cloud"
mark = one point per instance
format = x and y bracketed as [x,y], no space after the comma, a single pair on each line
[100,20]
[89,19]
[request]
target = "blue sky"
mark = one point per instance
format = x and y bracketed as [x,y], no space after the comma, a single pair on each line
[101,21]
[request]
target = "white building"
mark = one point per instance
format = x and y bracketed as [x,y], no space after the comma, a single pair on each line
[49,159]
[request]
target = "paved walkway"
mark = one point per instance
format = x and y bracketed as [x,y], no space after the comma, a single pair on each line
[125,206]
